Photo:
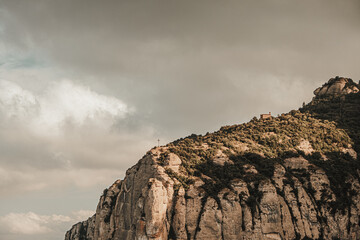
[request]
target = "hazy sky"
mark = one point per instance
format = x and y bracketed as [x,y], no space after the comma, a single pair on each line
[87,87]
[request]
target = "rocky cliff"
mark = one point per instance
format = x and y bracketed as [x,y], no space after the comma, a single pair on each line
[295,176]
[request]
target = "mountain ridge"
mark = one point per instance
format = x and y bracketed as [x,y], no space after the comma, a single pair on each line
[295,176]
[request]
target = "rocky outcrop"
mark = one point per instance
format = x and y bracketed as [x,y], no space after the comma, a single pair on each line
[82,230]
[337,86]
[201,191]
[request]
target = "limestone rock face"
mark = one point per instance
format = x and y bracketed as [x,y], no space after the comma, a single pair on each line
[82,230]
[146,205]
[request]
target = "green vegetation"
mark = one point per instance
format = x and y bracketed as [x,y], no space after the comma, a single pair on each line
[326,127]
[162,159]
[345,111]
[271,138]
[184,181]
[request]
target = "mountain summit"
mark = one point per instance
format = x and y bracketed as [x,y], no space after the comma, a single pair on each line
[337,86]
[295,176]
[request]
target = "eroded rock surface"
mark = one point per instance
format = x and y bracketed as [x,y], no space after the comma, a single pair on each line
[145,205]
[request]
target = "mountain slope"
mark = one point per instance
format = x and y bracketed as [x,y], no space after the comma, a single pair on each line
[295,176]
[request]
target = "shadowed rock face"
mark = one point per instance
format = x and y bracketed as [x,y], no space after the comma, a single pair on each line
[295,199]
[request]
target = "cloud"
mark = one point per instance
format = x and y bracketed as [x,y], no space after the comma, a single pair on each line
[65,134]
[16,102]
[25,223]
[60,103]
[31,223]
[65,101]
[171,61]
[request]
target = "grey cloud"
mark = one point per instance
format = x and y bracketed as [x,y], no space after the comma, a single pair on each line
[188,66]
[172,59]
[32,226]
[72,132]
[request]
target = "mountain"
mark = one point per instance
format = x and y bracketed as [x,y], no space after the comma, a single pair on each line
[295,176]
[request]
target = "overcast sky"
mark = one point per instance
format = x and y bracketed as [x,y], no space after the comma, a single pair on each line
[87,87]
